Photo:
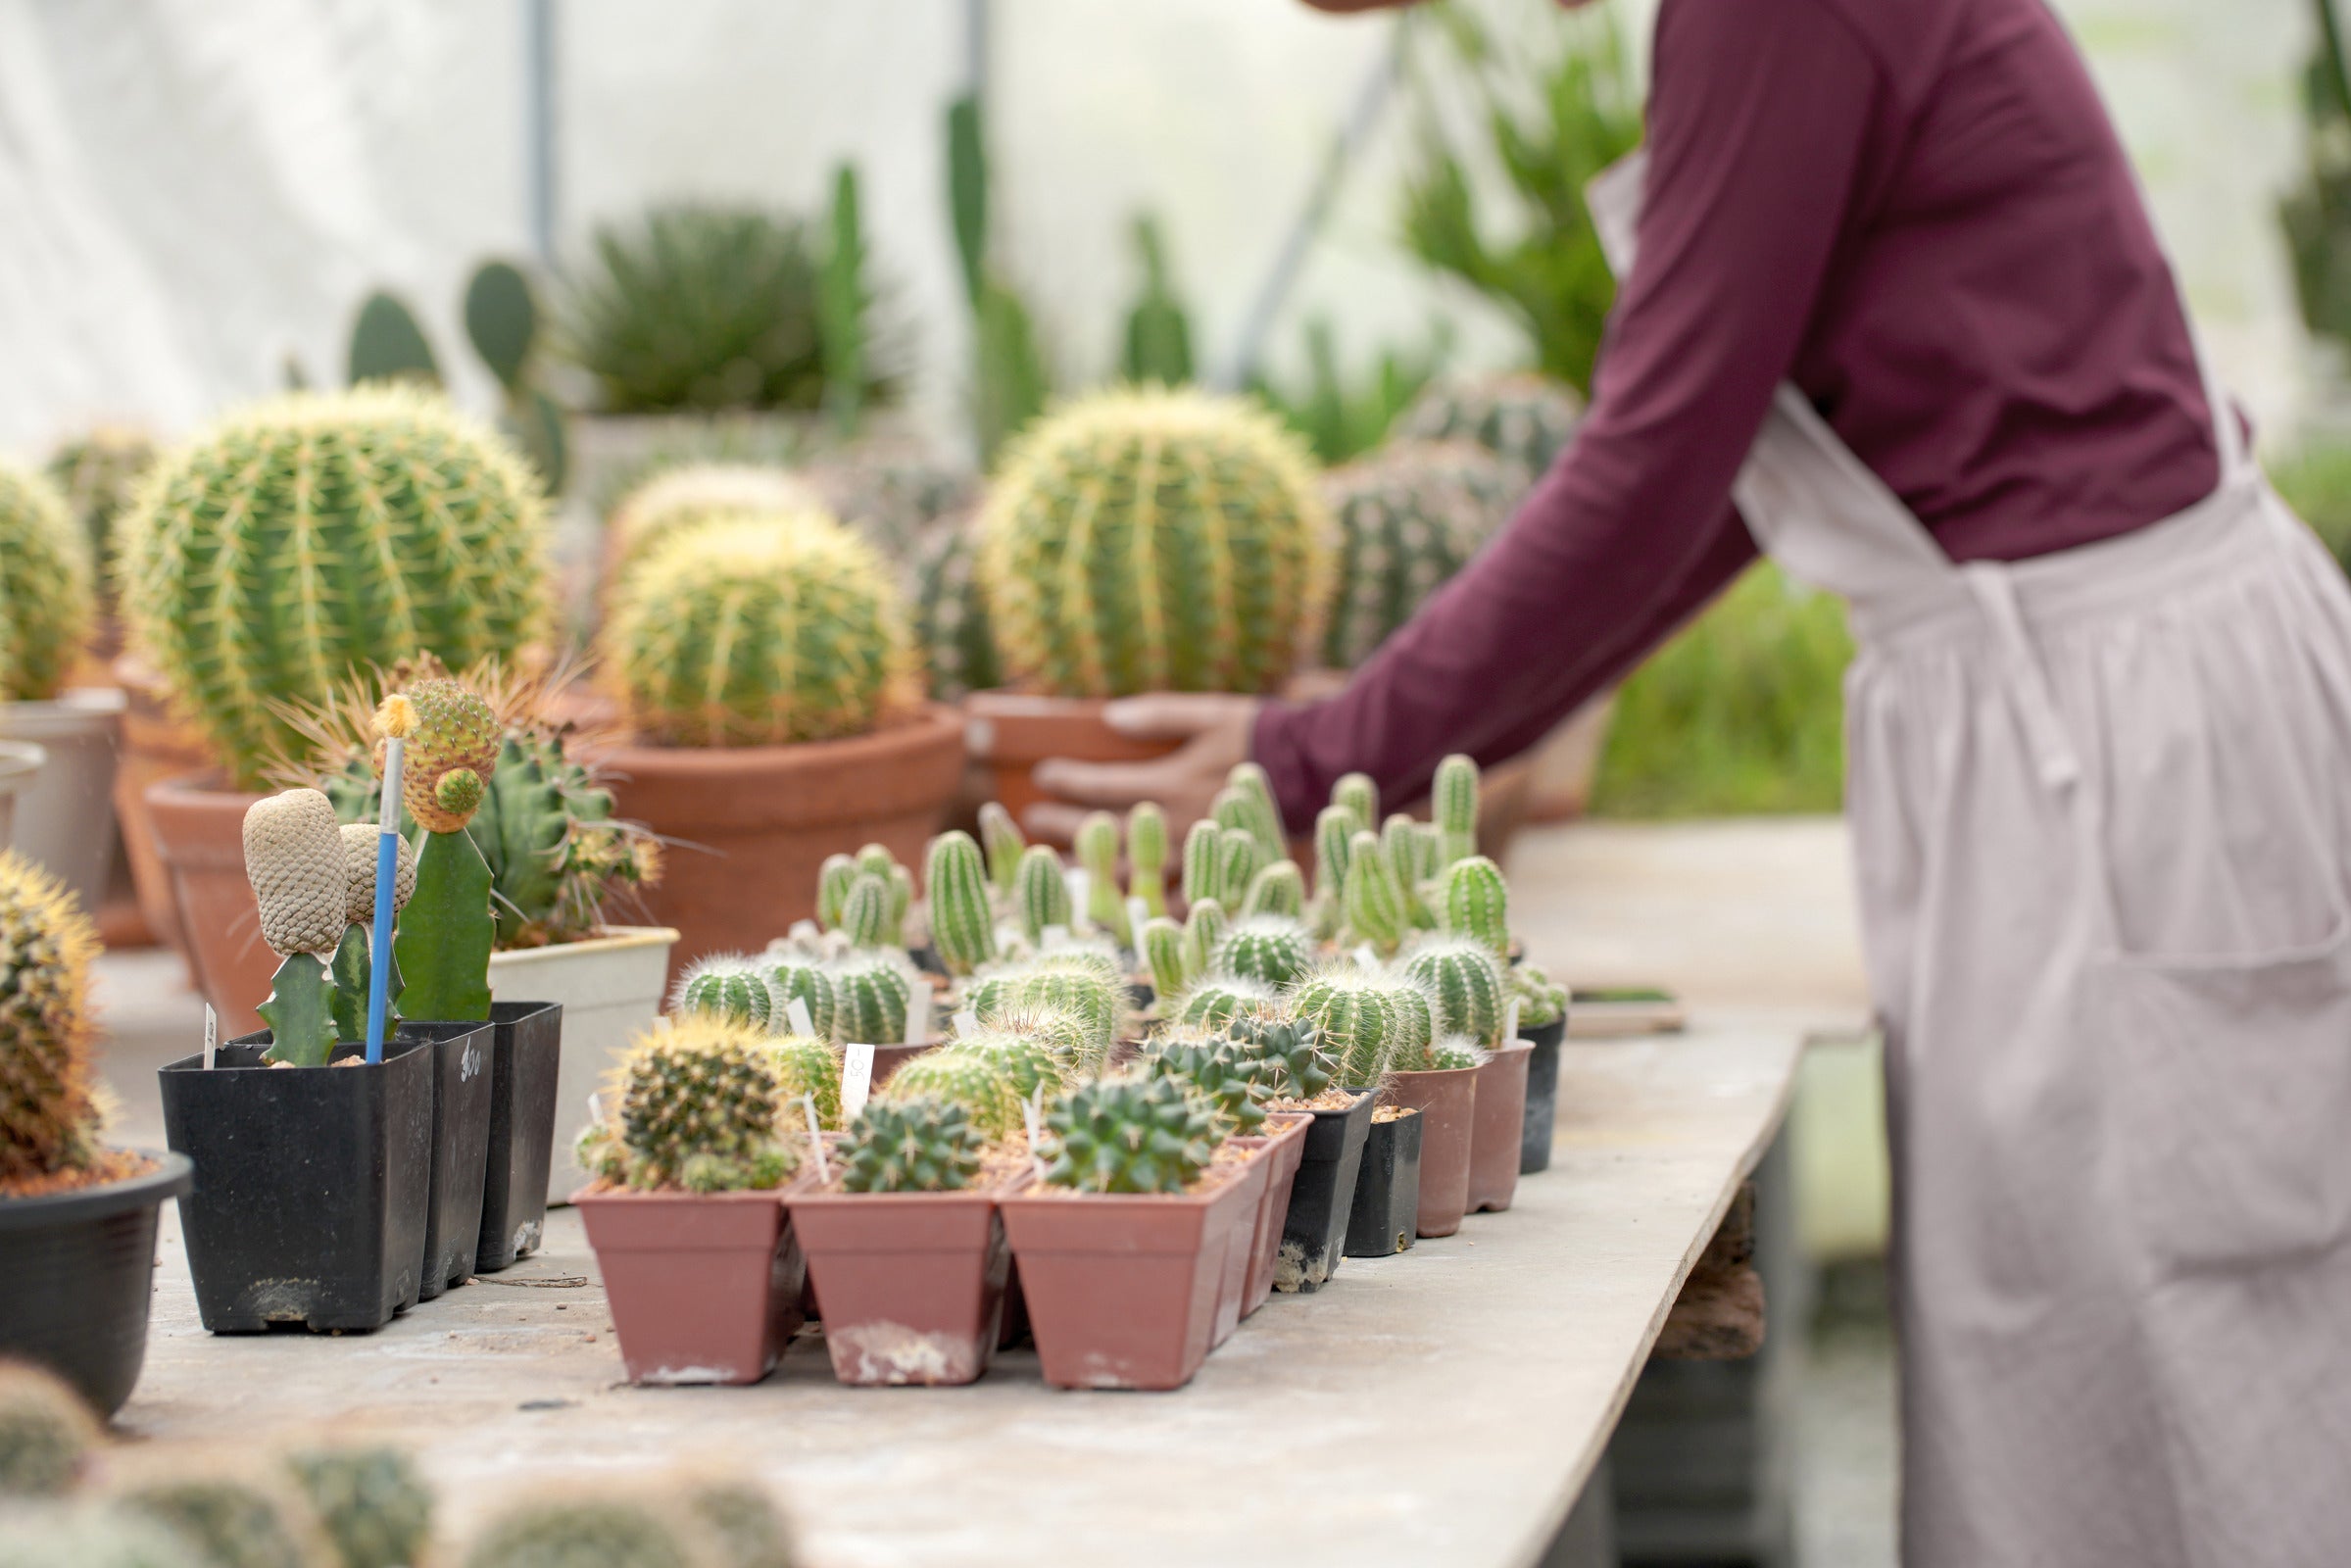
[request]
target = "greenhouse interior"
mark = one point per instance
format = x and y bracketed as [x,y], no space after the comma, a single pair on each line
[957,776]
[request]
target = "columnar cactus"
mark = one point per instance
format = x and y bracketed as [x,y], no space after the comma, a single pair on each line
[1203,861]
[49,1109]
[679,498]
[728,987]
[1096,849]
[1455,794]
[977,1081]
[1411,850]
[1377,910]
[873,994]
[1254,790]
[1473,901]
[1205,926]
[1004,843]
[794,977]
[913,1146]
[962,926]
[589,1529]
[47,1435]
[1153,540]
[1129,1136]
[96,472]
[867,912]
[299,540]
[1075,980]
[698,1108]
[1147,857]
[235,1515]
[1464,980]
[1335,829]
[1276,889]
[377,1509]
[1290,1050]
[1162,945]
[1232,1082]
[1361,798]
[1369,1020]
[1238,860]
[807,1069]
[1522,418]
[1215,1001]
[1273,948]
[1406,517]
[1039,894]
[760,631]
[46,574]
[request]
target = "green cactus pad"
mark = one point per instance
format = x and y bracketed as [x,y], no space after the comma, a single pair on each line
[442,942]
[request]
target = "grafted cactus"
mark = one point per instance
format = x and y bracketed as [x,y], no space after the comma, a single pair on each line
[1464,982]
[445,935]
[1129,1136]
[1153,540]
[760,631]
[1370,1020]
[1039,894]
[729,986]
[298,541]
[1277,889]
[794,976]
[913,1146]
[1147,857]
[977,1081]
[294,860]
[1475,902]
[1405,520]
[1454,797]
[873,995]
[46,572]
[962,926]
[1272,947]
[1097,847]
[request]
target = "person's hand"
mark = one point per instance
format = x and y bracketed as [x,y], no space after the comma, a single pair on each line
[1215,732]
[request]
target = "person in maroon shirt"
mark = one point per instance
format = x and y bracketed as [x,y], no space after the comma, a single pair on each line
[1895,310]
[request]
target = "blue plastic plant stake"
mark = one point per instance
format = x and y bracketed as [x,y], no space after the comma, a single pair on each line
[387,871]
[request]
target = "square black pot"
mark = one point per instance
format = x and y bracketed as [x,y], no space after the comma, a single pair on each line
[1542,1096]
[1314,1231]
[526,1051]
[465,1055]
[311,1185]
[1387,1212]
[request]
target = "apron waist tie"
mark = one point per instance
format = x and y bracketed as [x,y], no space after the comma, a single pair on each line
[2054,757]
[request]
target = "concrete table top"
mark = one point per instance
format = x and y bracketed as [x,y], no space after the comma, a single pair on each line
[1445,1405]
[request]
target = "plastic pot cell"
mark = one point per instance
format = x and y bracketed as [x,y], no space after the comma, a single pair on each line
[1498,1133]
[462,1073]
[311,1184]
[1285,1146]
[526,1066]
[1447,1103]
[704,1287]
[1322,1197]
[911,1286]
[80,1273]
[1386,1214]
[1541,1120]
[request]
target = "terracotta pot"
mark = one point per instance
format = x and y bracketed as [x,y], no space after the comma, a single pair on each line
[1122,1289]
[1447,1103]
[911,1286]
[65,819]
[1285,1146]
[1240,1249]
[704,1287]
[752,824]
[156,745]
[1501,1132]
[1015,731]
[199,835]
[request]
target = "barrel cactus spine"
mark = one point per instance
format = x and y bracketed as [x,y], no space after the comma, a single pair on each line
[962,926]
[47,573]
[297,541]
[1039,893]
[911,1146]
[729,986]
[1405,520]
[760,631]
[1129,1136]
[1153,540]
[1464,981]
[1474,901]
[1097,847]
[1454,797]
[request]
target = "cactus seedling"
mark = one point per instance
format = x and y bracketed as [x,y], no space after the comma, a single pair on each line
[912,1145]
[1359,797]
[1475,902]
[1278,889]
[46,1432]
[1203,928]
[867,912]
[873,995]
[1163,951]
[1258,812]
[1147,857]
[1453,1054]
[792,978]
[1204,860]
[1540,1001]
[1372,1022]
[1004,843]
[978,1081]
[1039,893]
[1097,847]
[1074,980]
[1465,985]
[834,878]
[728,987]
[376,1508]
[1270,947]
[962,926]
[1374,896]
[1129,1136]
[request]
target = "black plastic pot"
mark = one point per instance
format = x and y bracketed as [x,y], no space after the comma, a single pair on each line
[1542,1096]
[464,1057]
[1387,1211]
[80,1273]
[311,1184]
[526,1050]
[1314,1231]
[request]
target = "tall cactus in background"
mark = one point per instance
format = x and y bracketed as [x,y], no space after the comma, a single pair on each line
[1158,331]
[1474,901]
[1454,797]
[1405,520]
[1147,857]
[1147,539]
[1205,926]
[962,926]
[844,299]
[1164,955]
[1039,894]
[1009,380]
[299,540]
[1096,846]
[46,572]
[1203,861]
[1360,797]
[1465,984]
[49,1110]
[760,631]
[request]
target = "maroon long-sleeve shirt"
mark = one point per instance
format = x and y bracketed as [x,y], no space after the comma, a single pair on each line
[1915,210]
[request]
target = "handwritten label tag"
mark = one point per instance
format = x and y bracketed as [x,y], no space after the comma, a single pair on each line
[967,1024]
[798,1014]
[1510,1023]
[857,1080]
[824,1169]
[212,1033]
[1080,883]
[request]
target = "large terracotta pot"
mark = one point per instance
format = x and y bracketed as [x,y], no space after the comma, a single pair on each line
[751,825]
[197,829]
[1015,731]
[66,820]
[156,745]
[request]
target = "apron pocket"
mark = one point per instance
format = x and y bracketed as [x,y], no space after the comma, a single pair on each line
[2233,1095]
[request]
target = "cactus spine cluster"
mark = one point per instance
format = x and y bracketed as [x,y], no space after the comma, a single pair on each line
[1465,985]
[1288,1052]
[962,923]
[697,1108]
[873,994]
[760,631]
[1216,1000]
[1473,901]
[1522,418]
[792,977]
[1405,518]
[679,498]
[913,1146]
[1129,1136]
[727,987]
[298,541]
[48,1078]
[1372,1022]
[46,577]
[1153,540]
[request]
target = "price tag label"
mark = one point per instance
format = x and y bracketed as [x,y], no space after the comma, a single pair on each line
[967,1024]
[1511,1023]
[211,1034]
[857,1080]
[1080,883]
[824,1169]
[1139,916]
[798,1014]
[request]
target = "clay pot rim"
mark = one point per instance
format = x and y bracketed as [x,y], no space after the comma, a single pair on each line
[1013,1183]
[668,1194]
[926,727]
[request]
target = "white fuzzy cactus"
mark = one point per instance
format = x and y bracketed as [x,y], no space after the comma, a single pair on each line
[294,859]
[359,873]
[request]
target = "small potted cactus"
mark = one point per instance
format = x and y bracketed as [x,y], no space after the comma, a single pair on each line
[1126,1245]
[1138,540]
[699,1263]
[284,548]
[64,813]
[1305,1077]
[77,1219]
[766,665]
[1472,998]
[1542,1025]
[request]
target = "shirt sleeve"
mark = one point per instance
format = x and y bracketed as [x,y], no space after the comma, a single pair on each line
[1758,117]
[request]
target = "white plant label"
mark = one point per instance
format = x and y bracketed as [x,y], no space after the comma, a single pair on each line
[856,1079]
[1032,1117]
[1510,1023]
[805,932]
[802,1023]
[967,1024]
[595,1111]
[919,1014]
[1366,958]
[1055,936]
[211,1034]
[1139,916]
[825,1170]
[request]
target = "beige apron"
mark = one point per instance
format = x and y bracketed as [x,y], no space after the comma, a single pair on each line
[2101,810]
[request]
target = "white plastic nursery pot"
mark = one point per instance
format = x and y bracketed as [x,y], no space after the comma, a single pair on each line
[610,987]
[64,817]
[21,764]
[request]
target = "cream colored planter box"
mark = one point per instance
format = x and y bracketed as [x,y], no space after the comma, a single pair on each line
[610,987]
